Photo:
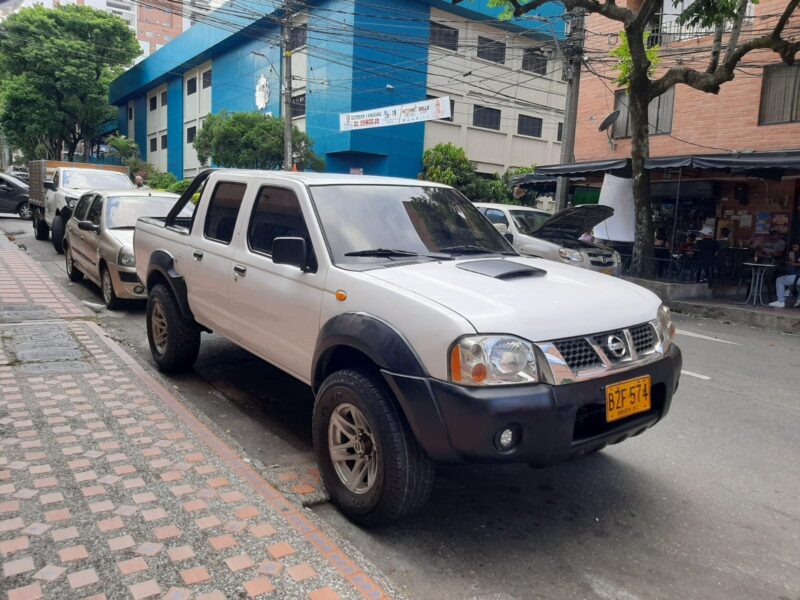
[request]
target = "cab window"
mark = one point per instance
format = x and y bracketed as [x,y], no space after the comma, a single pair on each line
[83,206]
[223,209]
[277,213]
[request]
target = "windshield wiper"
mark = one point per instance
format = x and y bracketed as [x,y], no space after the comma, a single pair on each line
[391,252]
[472,249]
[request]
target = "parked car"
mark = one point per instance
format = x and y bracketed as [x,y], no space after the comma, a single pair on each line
[14,196]
[423,334]
[556,237]
[54,198]
[99,240]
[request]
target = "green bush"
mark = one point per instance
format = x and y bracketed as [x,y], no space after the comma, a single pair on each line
[179,186]
[161,181]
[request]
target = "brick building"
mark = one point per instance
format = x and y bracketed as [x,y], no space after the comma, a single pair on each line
[757,112]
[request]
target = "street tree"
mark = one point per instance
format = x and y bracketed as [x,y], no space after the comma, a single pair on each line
[56,66]
[251,140]
[645,81]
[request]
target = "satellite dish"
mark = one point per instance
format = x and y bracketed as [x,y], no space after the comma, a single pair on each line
[609,121]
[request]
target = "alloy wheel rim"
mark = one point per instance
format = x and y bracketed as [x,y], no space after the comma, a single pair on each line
[68,257]
[107,289]
[25,211]
[352,449]
[158,321]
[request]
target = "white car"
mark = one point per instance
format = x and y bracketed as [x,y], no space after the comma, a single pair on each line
[555,237]
[424,335]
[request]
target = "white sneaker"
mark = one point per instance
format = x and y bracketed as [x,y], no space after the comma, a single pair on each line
[797,304]
[777,304]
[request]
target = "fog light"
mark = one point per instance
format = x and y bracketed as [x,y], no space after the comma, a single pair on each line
[507,439]
[138,290]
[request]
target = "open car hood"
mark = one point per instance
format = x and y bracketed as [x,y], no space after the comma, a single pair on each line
[572,222]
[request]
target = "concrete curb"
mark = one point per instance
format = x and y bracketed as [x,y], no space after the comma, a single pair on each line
[786,321]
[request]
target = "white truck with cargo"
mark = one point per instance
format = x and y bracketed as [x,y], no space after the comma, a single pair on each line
[424,335]
[56,186]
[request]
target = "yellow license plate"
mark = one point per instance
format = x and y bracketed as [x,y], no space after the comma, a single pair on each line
[607,271]
[627,398]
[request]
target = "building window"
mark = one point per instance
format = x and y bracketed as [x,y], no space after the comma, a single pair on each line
[299,106]
[452,109]
[163,98]
[191,133]
[493,50]
[130,114]
[529,126]
[164,142]
[534,61]
[298,37]
[444,36]
[780,94]
[483,116]
[191,86]
[560,132]
[153,102]
[207,79]
[659,114]
[153,144]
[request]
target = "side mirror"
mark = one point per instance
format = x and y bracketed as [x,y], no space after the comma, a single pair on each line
[49,185]
[509,237]
[290,251]
[88,226]
[501,227]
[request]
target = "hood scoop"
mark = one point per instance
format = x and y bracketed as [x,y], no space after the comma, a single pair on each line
[501,269]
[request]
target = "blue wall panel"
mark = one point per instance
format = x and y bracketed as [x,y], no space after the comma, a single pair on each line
[175,133]
[237,70]
[140,116]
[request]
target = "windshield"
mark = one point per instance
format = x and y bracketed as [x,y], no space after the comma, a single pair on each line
[123,211]
[401,222]
[528,221]
[81,179]
[13,180]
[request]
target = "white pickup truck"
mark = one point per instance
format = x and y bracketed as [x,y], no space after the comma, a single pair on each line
[423,334]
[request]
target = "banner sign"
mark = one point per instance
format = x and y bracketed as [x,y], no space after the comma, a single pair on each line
[399,114]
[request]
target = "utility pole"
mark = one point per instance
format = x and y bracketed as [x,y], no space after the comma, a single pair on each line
[288,160]
[573,59]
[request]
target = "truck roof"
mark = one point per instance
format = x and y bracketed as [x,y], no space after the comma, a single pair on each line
[310,178]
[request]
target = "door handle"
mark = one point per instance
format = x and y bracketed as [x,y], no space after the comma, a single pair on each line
[240,270]
[198,256]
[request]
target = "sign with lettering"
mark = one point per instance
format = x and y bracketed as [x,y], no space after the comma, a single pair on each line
[399,114]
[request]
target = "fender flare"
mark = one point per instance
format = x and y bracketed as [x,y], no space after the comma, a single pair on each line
[371,336]
[163,263]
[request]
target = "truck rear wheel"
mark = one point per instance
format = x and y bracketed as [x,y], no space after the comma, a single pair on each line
[40,229]
[174,339]
[58,233]
[370,462]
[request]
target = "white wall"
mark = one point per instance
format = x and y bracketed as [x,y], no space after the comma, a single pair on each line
[195,108]
[157,127]
[470,80]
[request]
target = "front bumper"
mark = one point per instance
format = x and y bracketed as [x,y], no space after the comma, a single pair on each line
[460,424]
[126,283]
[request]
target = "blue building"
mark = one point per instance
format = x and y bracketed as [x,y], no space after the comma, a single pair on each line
[504,80]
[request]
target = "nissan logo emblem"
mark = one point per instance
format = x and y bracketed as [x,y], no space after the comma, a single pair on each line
[615,346]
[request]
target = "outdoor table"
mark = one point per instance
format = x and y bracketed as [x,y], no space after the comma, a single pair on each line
[759,271]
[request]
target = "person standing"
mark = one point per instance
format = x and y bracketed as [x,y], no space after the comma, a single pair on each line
[790,279]
[139,182]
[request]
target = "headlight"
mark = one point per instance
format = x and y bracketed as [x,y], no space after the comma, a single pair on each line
[70,201]
[573,255]
[126,258]
[492,360]
[666,328]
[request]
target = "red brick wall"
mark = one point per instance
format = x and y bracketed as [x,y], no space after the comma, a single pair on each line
[725,121]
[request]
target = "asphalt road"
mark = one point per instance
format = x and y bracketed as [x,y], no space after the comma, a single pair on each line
[705,505]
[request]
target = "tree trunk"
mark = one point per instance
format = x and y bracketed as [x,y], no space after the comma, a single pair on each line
[643,250]
[71,147]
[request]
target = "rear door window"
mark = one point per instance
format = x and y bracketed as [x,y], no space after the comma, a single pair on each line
[223,210]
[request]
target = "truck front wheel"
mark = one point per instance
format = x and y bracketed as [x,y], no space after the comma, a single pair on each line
[174,339]
[40,229]
[58,233]
[370,462]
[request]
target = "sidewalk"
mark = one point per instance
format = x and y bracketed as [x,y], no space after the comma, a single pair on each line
[111,488]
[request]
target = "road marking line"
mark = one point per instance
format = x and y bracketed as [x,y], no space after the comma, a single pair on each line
[690,374]
[705,337]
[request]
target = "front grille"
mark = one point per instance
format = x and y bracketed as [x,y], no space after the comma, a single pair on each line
[577,353]
[644,338]
[596,258]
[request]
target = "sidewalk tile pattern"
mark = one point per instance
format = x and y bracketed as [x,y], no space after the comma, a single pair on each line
[111,488]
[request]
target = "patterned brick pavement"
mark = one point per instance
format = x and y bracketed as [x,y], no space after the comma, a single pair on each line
[110,488]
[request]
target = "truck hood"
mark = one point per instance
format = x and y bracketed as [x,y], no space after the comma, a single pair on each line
[572,222]
[552,302]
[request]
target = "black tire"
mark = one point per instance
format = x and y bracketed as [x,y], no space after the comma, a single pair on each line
[405,475]
[24,211]
[40,229]
[179,350]
[107,289]
[73,272]
[58,234]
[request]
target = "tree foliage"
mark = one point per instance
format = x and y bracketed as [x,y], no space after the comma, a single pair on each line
[625,65]
[251,140]
[56,66]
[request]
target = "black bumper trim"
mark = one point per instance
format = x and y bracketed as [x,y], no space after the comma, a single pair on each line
[459,424]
